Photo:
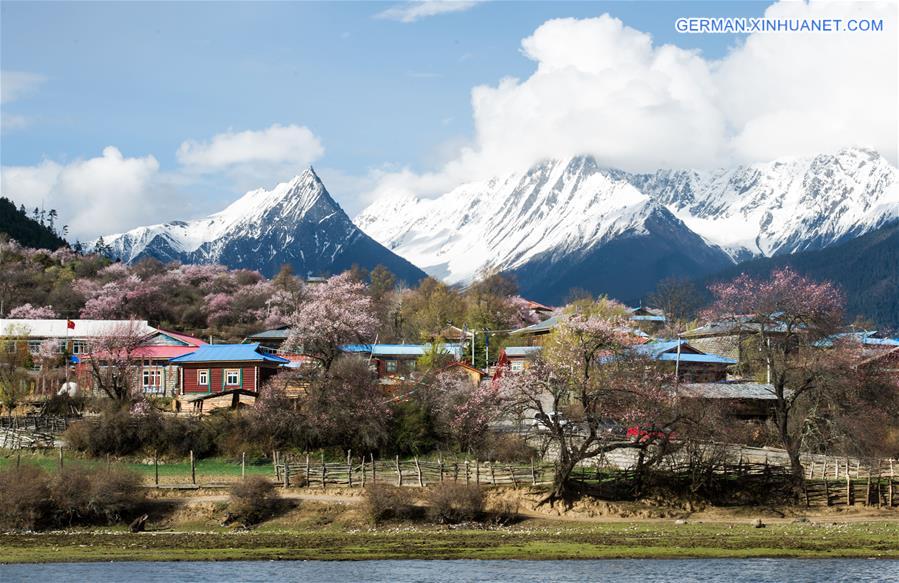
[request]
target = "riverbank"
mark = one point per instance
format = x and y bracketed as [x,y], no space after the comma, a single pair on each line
[531,539]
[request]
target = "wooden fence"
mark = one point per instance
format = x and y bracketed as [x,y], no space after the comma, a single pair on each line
[828,482]
[30,431]
[312,471]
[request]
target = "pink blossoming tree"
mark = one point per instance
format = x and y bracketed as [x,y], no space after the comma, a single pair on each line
[586,388]
[29,312]
[785,317]
[336,312]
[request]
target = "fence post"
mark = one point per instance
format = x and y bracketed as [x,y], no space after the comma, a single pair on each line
[276,461]
[512,473]
[467,472]
[349,468]
[60,458]
[286,475]
[477,471]
[308,478]
[440,466]
[848,485]
[156,466]
[374,471]
[243,465]
[534,473]
[399,472]
[363,471]
[493,473]
[421,482]
[193,469]
[324,470]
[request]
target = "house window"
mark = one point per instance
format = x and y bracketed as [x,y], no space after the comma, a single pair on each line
[203,378]
[232,377]
[517,365]
[34,346]
[390,365]
[79,347]
[152,379]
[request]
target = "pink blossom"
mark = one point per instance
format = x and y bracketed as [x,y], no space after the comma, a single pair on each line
[29,312]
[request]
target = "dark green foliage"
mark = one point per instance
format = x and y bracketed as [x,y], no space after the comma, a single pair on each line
[865,268]
[413,430]
[27,231]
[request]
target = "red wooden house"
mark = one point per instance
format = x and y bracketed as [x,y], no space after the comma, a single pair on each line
[217,368]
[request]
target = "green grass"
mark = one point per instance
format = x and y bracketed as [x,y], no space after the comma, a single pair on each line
[531,540]
[207,470]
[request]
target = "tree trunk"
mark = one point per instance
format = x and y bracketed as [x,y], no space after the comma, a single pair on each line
[561,488]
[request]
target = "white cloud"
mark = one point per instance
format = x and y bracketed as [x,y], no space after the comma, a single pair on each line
[16,84]
[418,9]
[278,144]
[93,196]
[604,89]
[10,121]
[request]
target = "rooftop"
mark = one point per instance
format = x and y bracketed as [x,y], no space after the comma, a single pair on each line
[57,328]
[230,353]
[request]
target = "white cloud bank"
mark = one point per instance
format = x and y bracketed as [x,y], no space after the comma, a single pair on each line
[93,196]
[418,9]
[112,192]
[602,88]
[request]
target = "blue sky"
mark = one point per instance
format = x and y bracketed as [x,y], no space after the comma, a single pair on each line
[377,93]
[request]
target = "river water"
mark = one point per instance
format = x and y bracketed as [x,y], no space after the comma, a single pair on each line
[617,571]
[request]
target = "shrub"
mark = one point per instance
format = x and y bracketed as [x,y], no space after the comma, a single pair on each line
[385,502]
[253,500]
[115,495]
[70,495]
[507,449]
[454,502]
[24,498]
[504,512]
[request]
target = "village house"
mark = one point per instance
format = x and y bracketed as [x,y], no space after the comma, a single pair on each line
[397,362]
[689,363]
[76,338]
[272,339]
[517,358]
[464,370]
[741,400]
[225,374]
[649,320]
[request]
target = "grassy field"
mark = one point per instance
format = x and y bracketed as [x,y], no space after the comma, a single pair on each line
[529,540]
[212,470]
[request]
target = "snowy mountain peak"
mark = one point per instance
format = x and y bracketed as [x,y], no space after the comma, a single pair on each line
[296,222]
[559,210]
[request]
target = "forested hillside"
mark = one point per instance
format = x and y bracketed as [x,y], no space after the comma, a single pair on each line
[866,268]
[39,232]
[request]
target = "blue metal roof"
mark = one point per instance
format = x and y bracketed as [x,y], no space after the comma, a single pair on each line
[229,353]
[648,318]
[518,351]
[666,350]
[400,349]
[690,357]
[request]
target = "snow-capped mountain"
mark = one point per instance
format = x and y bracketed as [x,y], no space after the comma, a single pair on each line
[296,223]
[785,206]
[547,224]
[573,223]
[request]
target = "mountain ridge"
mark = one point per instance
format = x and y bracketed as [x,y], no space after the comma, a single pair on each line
[297,223]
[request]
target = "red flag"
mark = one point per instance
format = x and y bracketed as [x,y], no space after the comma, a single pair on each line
[70,324]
